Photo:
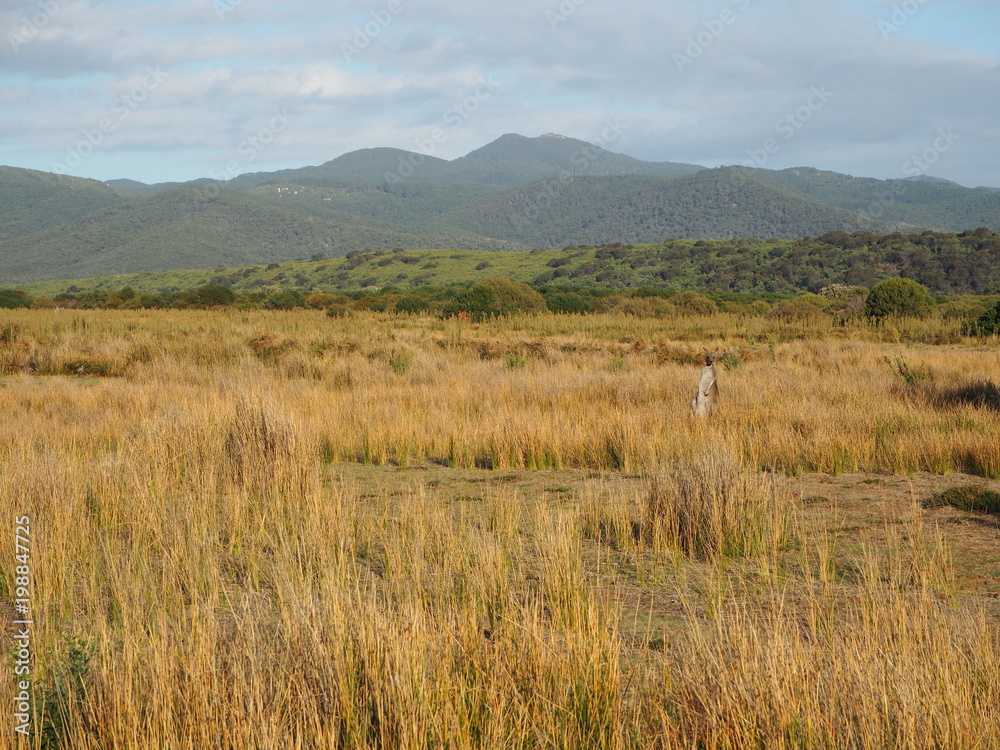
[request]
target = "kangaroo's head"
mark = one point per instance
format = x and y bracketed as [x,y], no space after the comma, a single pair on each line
[711,357]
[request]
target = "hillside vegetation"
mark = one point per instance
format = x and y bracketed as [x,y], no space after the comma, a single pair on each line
[965,263]
[31,201]
[516,193]
[193,226]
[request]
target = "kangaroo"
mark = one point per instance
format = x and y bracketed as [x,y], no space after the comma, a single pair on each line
[708,386]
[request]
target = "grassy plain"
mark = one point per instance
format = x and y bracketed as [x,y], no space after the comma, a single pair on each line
[264,529]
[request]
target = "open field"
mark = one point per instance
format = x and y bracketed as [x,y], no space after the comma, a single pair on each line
[260,529]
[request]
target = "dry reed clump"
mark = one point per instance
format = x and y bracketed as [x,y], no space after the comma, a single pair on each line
[261,450]
[884,664]
[711,505]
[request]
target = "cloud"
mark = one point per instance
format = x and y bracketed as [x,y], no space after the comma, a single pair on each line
[704,83]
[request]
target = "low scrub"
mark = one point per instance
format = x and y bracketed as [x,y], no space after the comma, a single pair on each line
[966,497]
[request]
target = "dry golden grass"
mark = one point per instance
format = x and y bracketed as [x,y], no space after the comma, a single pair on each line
[222,557]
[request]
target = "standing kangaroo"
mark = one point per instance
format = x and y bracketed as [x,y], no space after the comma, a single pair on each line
[708,386]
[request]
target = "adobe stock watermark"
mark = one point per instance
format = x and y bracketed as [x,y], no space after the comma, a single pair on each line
[580,160]
[363,35]
[121,109]
[224,7]
[246,152]
[901,15]
[562,13]
[33,22]
[789,125]
[713,29]
[917,165]
[451,120]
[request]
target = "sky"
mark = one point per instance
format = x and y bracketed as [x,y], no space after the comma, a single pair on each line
[171,90]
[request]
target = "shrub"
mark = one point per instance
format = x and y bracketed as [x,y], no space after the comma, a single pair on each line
[514,362]
[987,324]
[797,309]
[12,298]
[286,300]
[897,296]
[496,296]
[513,296]
[412,303]
[966,497]
[568,302]
[912,376]
[337,310]
[400,361]
[64,694]
[637,307]
[212,295]
[961,309]
[322,300]
[693,303]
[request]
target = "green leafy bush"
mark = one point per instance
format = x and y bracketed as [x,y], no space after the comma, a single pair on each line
[286,300]
[514,362]
[912,376]
[400,361]
[412,303]
[495,296]
[902,297]
[212,295]
[12,298]
[568,302]
[987,324]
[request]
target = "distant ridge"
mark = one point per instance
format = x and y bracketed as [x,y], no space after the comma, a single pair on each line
[508,161]
[515,193]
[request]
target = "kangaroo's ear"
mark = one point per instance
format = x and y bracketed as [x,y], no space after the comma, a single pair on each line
[714,351]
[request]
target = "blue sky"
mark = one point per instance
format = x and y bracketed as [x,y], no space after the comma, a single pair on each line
[178,89]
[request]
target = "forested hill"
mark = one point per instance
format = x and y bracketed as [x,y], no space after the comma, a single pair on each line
[514,194]
[965,263]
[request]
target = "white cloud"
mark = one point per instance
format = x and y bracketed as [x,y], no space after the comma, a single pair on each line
[751,63]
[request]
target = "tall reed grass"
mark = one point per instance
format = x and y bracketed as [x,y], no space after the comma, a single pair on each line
[207,574]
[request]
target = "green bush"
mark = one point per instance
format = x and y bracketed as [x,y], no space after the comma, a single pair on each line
[12,298]
[212,295]
[513,296]
[286,300]
[912,376]
[961,309]
[987,324]
[400,361]
[514,362]
[568,302]
[897,296]
[494,296]
[412,303]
